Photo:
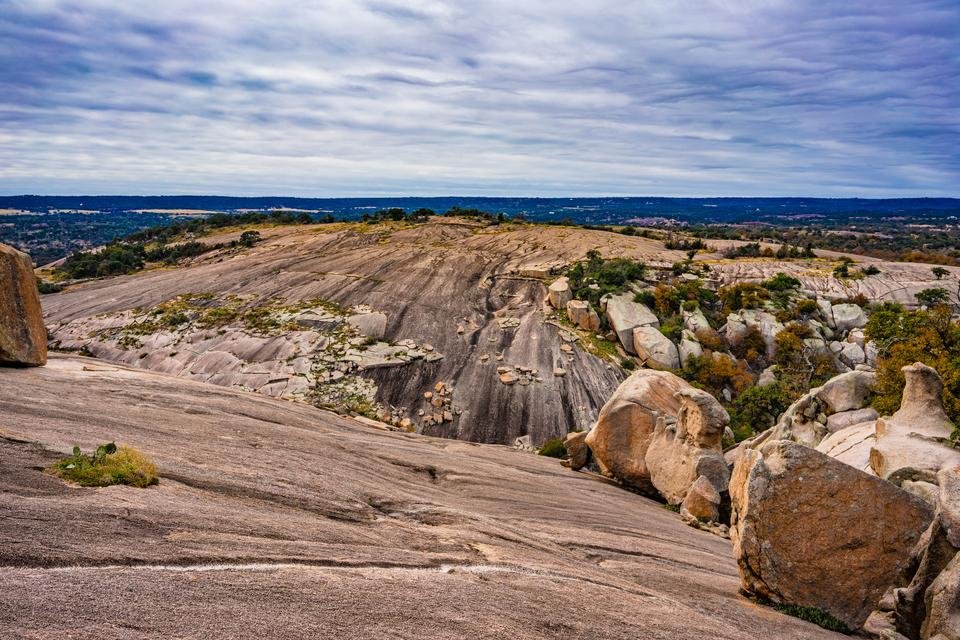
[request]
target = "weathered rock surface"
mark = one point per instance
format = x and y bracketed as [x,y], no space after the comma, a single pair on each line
[276,517]
[655,349]
[681,452]
[912,444]
[928,604]
[581,313]
[812,531]
[625,315]
[23,338]
[844,419]
[450,284]
[625,426]
[559,293]
[851,445]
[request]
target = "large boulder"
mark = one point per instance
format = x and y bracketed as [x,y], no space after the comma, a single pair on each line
[559,293]
[811,531]
[580,313]
[625,315]
[683,451]
[23,336]
[927,605]
[740,323]
[655,349]
[848,316]
[913,443]
[625,426]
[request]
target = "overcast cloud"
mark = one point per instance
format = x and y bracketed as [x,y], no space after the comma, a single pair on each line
[480,97]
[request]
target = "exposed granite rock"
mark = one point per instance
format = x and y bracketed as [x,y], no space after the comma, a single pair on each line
[625,315]
[23,338]
[681,452]
[912,444]
[812,531]
[578,453]
[580,313]
[689,347]
[702,502]
[927,606]
[851,445]
[655,349]
[844,419]
[559,293]
[276,519]
[625,426]
[848,316]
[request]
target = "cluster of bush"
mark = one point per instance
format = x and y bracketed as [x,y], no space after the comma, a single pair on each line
[593,278]
[754,250]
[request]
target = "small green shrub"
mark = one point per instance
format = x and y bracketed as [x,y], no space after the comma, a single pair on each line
[628,363]
[818,617]
[553,448]
[781,282]
[106,466]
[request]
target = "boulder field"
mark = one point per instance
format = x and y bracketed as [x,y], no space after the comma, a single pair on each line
[277,517]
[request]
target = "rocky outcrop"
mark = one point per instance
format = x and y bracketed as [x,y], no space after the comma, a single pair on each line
[625,315]
[559,293]
[745,320]
[805,421]
[812,531]
[679,453]
[626,423]
[580,313]
[848,316]
[655,349]
[913,443]
[23,337]
[928,604]
[695,320]
[372,324]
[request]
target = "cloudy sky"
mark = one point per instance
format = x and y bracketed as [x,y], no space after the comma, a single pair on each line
[480,97]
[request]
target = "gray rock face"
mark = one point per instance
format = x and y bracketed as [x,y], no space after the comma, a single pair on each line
[848,316]
[655,349]
[372,324]
[851,445]
[625,315]
[767,377]
[852,354]
[694,321]
[681,452]
[449,284]
[23,337]
[766,324]
[912,444]
[812,531]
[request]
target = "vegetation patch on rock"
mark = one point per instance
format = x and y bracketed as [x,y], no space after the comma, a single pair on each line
[107,465]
